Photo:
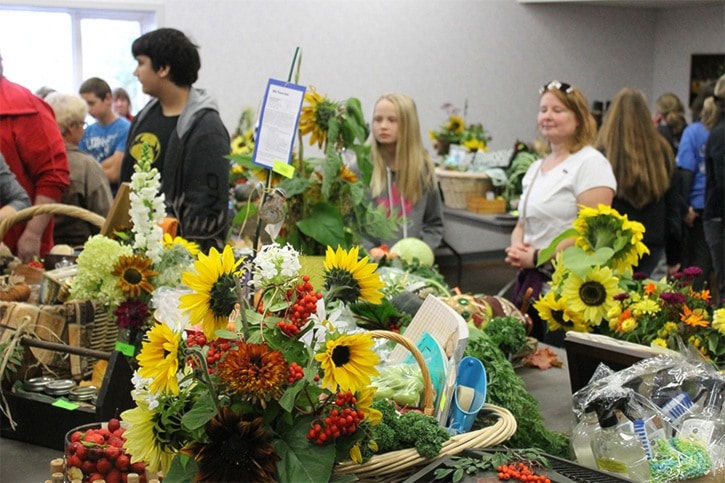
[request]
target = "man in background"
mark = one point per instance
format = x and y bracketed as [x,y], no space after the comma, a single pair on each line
[34,150]
[105,139]
[186,137]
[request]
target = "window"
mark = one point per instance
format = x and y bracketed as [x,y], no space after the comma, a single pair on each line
[61,47]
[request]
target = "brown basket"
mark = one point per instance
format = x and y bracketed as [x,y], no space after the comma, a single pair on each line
[458,186]
[396,464]
[50,209]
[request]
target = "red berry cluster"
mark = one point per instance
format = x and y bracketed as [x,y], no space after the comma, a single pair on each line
[97,454]
[295,317]
[520,472]
[295,373]
[217,348]
[343,419]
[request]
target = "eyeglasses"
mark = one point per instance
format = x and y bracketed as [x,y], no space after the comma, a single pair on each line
[555,84]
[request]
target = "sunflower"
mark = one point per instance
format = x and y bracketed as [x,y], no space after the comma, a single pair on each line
[254,372]
[593,295]
[191,247]
[364,401]
[348,362]
[555,312]
[315,116]
[605,227]
[134,274]
[214,287]
[456,124]
[239,449]
[348,279]
[159,359]
[142,442]
[474,145]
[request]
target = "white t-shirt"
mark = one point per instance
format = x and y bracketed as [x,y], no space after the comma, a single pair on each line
[551,205]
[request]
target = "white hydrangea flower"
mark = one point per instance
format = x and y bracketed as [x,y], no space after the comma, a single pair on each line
[275,265]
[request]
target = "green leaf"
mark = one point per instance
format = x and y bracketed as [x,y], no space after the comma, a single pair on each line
[245,211]
[458,475]
[183,469]
[324,225]
[201,413]
[303,461]
[548,252]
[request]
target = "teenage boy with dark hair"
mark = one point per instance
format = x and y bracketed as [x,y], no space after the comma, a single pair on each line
[187,138]
[105,139]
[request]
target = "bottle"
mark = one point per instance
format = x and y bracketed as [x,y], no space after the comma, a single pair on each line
[616,448]
[581,438]
[708,426]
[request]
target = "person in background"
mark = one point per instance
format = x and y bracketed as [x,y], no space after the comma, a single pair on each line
[186,135]
[669,117]
[35,152]
[122,103]
[13,197]
[707,89]
[647,182]
[403,177]
[573,173]
[89,186]
[691,163]
[715,183]
[105,139]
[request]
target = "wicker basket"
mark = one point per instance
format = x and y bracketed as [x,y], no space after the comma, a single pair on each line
[458,186]
[396,464]
[50,209]
[102,331]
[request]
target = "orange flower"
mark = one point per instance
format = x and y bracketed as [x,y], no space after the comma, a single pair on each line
[693,318]
[650,288]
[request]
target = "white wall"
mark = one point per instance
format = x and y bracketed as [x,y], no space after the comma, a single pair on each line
[494,54]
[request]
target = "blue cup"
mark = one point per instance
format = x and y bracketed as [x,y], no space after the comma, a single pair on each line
[469,395]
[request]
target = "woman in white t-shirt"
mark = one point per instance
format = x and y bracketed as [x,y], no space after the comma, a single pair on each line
[572,174]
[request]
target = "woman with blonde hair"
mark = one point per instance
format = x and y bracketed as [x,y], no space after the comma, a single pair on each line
[403,177]
[714,117]
[644,166]
[571,175]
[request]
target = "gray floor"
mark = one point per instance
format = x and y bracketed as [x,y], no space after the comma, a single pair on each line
[22,462]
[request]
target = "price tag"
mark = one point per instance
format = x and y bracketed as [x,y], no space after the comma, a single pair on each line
[286,170]
[62,403]
[125,349]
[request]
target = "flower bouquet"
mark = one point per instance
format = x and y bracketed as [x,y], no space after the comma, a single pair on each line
[595,288]
[278,390]
[455,131]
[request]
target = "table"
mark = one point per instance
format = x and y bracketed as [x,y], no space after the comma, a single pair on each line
[477,234]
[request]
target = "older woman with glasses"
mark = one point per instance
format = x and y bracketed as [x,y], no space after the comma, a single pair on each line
[572,173]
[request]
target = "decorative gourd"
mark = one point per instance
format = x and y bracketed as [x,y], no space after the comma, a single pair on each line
[14,289]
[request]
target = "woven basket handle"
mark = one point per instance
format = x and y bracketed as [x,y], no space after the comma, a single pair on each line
[428,390]
[52,209]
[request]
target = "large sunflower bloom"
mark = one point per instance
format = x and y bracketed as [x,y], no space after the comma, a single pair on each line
[555,312]
[254,372]
[348,362]
[214,289]
[133,274]
[456,124]
[159,359]
[348,279]
[593,295]
[315,116]
[239,449]
[141,441]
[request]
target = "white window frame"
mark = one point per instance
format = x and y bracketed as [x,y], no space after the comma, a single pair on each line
[147,14]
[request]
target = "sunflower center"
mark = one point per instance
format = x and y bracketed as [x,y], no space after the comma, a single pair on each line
[346,286]
[325,111]
[236,451]
[592,293]
[341,355]
[223,296]
[558,316]
[132,276]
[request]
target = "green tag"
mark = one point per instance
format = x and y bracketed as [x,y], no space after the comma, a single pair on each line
[443,401]
[125,349]
[613,466]
[62,403]
[286,170]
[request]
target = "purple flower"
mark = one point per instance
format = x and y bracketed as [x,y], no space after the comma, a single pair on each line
[621,296]
[692,272]
[673,298]
[639,276]
[131,314]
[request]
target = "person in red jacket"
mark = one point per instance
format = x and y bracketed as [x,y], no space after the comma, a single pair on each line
[34,149]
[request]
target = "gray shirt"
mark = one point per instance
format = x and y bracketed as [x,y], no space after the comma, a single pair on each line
[11,193]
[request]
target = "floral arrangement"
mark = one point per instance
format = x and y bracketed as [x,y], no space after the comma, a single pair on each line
[325,200]
[275,389]
[595,288]
[122,272]
[455,131]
